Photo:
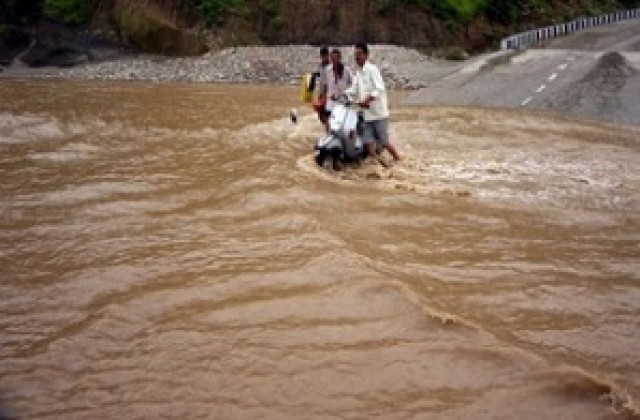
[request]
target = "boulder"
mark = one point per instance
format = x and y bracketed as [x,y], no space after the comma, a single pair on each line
[54,44]
[152,31]
[40,54]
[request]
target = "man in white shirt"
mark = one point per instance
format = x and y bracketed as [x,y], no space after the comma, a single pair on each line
[369,91]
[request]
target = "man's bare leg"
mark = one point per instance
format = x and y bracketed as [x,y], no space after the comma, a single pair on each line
[371,149]
[392,150]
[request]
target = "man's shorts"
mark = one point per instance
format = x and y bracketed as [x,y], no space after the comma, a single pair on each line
[376,131]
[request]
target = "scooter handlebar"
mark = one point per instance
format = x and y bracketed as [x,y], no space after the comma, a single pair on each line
[344,99]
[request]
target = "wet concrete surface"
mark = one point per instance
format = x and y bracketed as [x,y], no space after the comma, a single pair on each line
[593,75]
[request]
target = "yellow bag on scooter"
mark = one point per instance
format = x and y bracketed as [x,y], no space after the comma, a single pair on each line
[306,90]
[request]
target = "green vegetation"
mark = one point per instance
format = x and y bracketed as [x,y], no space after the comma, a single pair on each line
[73,12]
[506,11]
[272,19]
[455,54]
[466,8]
[455,13]
[27,12]
[20,12]
[212,12]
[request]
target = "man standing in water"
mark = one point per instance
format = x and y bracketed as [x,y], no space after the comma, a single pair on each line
[371,94]
[321,86]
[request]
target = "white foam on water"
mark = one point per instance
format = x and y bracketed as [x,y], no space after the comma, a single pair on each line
[19,129]
[69,152]
[76,194]
[511,163]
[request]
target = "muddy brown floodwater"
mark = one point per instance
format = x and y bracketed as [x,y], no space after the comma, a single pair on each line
[172,252]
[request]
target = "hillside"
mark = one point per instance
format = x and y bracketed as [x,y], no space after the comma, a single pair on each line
[74,31]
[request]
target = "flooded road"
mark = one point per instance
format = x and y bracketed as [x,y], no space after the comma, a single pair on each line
[171,252]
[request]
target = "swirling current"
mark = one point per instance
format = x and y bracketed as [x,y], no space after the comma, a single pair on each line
[171,251]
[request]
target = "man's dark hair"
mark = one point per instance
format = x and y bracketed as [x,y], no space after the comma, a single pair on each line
[336,51]
[362,46]
[324,51]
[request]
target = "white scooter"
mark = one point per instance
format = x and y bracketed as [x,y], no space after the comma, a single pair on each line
[343,143]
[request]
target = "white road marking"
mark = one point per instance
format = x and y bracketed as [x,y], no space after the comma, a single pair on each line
[551,78]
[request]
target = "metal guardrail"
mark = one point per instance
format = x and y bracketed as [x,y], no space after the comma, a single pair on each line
[540,35]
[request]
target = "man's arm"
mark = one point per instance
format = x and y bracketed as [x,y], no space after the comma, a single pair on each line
[322,83]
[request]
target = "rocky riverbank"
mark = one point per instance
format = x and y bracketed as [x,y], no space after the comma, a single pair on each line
[402,68]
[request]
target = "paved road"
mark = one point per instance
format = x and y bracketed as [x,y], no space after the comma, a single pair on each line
[594,74]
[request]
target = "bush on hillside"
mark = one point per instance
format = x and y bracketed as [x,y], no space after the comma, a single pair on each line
[74,12]
[212,12]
